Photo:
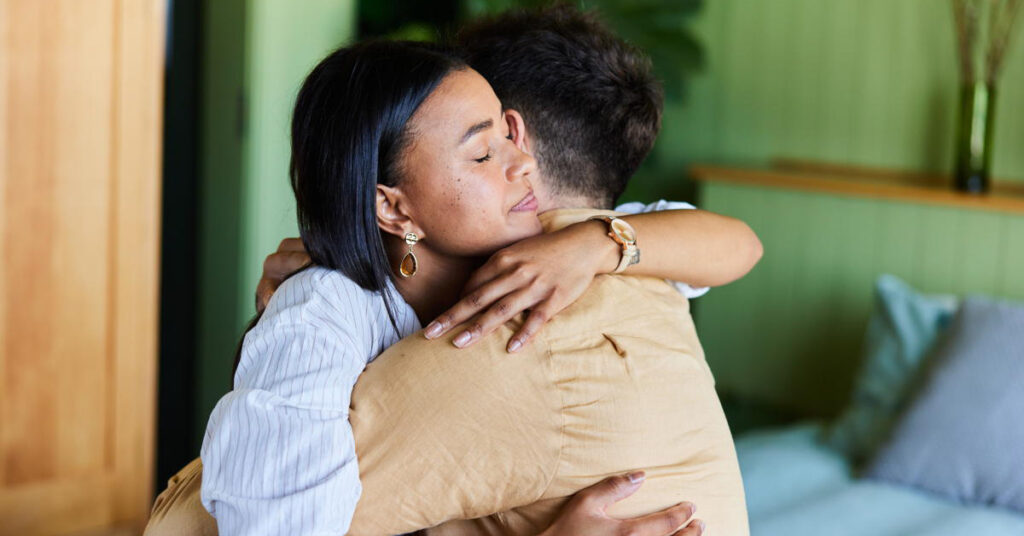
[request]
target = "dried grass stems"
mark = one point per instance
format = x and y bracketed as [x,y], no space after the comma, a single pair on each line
[1001,16]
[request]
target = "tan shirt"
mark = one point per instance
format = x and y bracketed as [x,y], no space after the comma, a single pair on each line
[616,382]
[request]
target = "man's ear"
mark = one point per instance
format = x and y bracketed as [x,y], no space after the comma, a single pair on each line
[392,212]
[517,129]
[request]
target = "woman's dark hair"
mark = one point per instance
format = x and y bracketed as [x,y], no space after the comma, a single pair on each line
[349,129]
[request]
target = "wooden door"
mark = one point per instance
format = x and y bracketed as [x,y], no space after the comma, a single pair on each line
[80,129]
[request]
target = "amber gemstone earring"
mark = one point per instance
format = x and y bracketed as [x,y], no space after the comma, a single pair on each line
[410,264]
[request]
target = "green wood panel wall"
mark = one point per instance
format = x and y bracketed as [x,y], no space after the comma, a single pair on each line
[790,333]
[869,82]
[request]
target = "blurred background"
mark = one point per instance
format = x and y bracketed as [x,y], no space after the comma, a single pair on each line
[831,127]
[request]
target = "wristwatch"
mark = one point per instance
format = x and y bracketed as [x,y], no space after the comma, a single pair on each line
[625,236]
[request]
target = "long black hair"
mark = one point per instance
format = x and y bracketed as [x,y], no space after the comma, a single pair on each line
[349,129]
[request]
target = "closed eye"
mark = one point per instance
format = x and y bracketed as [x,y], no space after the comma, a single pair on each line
[483,159]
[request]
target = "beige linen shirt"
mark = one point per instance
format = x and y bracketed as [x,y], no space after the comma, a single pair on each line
[616,382]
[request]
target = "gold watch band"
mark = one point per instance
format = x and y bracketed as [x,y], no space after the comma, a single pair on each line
[623,234]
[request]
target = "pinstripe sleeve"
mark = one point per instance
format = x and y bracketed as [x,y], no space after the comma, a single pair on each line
[278,455]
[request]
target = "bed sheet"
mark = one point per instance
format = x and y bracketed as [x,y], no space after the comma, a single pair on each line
[796,486]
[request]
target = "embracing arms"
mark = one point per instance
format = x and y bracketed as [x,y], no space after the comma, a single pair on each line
[547,273]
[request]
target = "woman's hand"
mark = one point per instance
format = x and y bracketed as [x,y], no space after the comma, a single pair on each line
[544,274]
[585,513]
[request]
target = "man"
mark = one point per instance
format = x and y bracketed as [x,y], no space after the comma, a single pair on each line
[444,437]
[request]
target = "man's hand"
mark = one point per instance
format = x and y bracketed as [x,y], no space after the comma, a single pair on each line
[585,513]
[544,274]
[289,258]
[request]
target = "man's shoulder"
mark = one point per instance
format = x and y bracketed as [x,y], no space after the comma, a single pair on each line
[611,298]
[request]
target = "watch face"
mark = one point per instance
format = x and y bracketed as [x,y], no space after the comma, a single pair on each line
[624,230]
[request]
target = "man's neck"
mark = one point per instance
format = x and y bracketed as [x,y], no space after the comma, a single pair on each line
[563,202]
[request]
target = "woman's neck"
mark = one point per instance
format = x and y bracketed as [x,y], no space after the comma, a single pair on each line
[438,282]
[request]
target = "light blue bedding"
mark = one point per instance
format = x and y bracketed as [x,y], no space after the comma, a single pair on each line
[796,486]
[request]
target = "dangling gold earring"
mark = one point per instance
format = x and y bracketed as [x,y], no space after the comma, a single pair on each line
[410,264]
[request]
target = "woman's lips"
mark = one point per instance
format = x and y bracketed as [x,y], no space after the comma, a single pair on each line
[528,204]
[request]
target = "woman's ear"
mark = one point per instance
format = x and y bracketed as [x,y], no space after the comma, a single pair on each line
[392,215]
[517,129]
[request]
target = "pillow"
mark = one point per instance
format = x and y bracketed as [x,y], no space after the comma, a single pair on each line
[902,327]
[963,436]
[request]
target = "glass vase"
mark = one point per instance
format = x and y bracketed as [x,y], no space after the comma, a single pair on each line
[974,137]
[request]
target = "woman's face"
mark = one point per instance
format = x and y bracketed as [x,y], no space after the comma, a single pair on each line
[465,182]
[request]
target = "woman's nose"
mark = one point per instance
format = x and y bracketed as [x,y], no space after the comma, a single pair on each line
[522,168]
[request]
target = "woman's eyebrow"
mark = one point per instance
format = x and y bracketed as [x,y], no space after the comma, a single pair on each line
[482,125]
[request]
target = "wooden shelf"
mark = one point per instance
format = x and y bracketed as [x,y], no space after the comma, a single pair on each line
[865,182]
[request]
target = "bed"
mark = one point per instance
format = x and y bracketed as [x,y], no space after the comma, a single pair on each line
[796,485]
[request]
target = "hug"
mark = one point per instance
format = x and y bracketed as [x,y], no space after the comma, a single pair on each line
[470,337]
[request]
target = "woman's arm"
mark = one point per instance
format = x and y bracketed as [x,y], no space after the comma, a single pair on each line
[700,248]
[547,273]
[278,452]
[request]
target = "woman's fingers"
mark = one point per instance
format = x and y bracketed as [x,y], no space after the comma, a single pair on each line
[531,327]
[472,304]
[482,276]
[499,313]
[667,521]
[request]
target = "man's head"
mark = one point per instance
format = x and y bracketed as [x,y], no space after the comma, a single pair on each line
[591,104]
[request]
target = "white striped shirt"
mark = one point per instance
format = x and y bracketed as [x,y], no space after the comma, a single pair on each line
[279,455]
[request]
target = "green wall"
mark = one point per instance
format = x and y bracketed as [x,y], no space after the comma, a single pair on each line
[865,82]
[256,54]
[870,82]
[789,333]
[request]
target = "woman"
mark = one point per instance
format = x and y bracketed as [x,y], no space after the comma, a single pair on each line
[391,137]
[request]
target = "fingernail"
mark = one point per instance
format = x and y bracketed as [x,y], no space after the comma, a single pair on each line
[462,339]
[514,346]
[433,330]
[702,526]
[636,477]
[692,507]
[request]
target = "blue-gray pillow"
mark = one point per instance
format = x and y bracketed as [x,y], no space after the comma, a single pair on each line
[903,327]
[963,434]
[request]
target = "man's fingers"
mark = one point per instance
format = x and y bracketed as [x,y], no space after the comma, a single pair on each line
[264,291]
[291,244]
[693,528]
[611,490]
[665,522]
[281,264]
[471,305]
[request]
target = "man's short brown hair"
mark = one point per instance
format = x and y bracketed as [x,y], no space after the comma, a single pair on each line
[589,98]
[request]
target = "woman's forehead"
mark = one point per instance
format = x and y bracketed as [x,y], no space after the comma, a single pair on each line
[462,100]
